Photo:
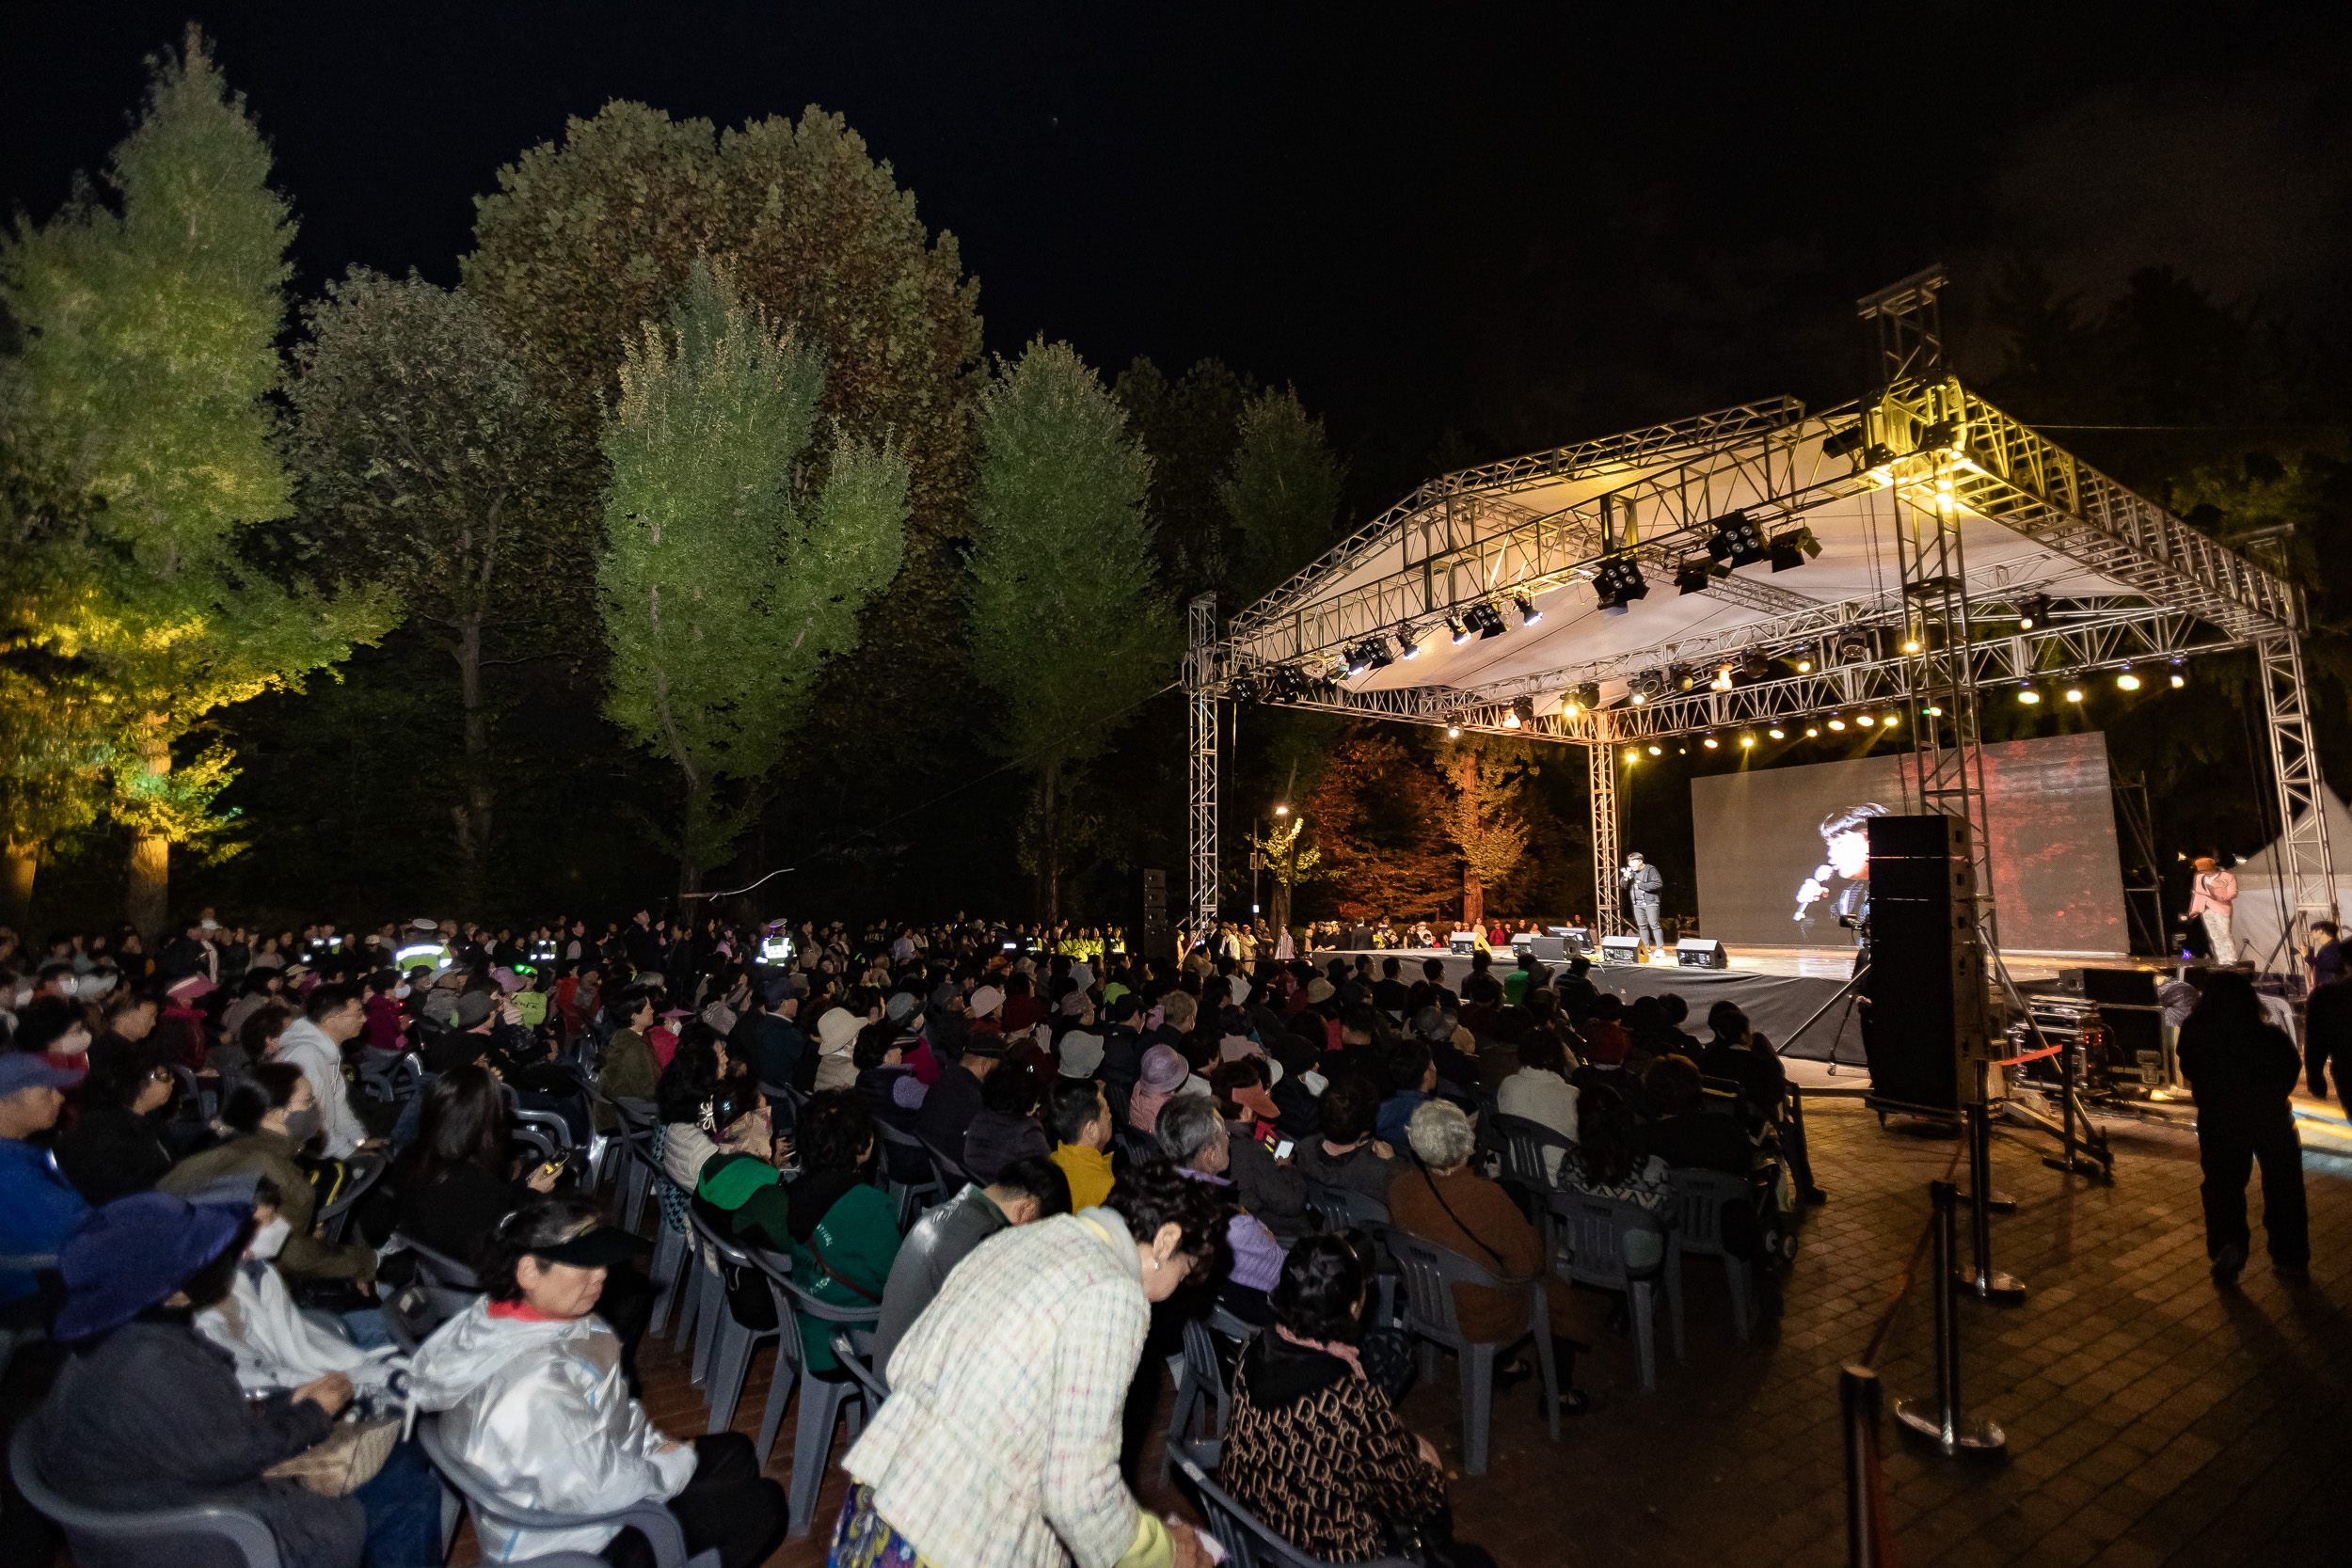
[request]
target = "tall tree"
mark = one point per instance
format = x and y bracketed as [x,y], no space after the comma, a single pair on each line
[1282,492]
[1189,427]
[1068,627]
[727,581]
[423,453]
[1485,827]
[1377,807]
[148,351]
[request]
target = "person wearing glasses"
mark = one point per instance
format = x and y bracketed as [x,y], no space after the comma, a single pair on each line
[117,1147]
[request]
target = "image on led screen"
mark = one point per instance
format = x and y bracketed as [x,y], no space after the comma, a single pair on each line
[1782,852]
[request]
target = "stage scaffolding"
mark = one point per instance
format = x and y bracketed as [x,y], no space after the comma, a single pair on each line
[2119,583]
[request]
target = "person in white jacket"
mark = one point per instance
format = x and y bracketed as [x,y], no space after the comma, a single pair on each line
[314,1042]
[530,1390]
[258,1323]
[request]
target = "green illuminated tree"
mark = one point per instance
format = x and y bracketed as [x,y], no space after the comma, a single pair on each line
[1282,492]
[148,329]
[728,579]
[1069,627]
[424,453]
[1487,832]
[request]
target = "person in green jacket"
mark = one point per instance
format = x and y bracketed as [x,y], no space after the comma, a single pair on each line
[629,1070]
[274,1114]
[840,1229]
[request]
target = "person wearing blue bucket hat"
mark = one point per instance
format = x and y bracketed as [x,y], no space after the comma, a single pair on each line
[146,1414]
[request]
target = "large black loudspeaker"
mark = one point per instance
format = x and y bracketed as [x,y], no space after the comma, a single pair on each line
[1158,939]
[1926,985]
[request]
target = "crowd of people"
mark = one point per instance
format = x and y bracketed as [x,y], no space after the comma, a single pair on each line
[1140,1141]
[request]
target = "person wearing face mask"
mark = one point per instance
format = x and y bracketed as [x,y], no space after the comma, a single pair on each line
[275,1113]
[53,1029]
[117,1147]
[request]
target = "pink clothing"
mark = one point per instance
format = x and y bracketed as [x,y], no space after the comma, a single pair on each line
[2212,890]
[383,1023]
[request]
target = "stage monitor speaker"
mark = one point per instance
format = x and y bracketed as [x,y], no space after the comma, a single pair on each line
[1701,953]
[1926,985]
[2126,999]
[1547,949]
[1574,939]
[1462,942]
[1623,950]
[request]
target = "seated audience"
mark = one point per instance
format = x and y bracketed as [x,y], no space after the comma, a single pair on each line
[1027,1189]
[689,1136]
[1610,1163]
[1272,1189]
[629,1070]
[1313,1447]
[1196,1138]
[274,1117]
[893,1096]
[1054,1305]
[147,1414]
[1413,1078]
[1005,1128]
[1741,1054]
[950,1104]
[1445,1201]
[117,1147]
[1687,1134]
[1346,1154]
[530,1384]
[1080,1115]
[1540,1091]
[1164,1072]
[39,1206]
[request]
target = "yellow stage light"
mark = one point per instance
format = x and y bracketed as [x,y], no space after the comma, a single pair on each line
[1747,740]
[1837,723]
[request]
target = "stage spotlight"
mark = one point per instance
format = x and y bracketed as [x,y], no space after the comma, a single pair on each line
[1911,644]
[1842,443]
[1486,620]
[1710,743]
[1864,719]
[1852,646]
[1888,722]
[1837,723]
[1777,733]
[1358,660]
[1588,696]
[1756,666]
[1641,697]
[1794,549]
[2033,610]
[1648,683]
[1736,538]
[1747,740]
[1522,712]
[1722,681]
[1529,615]
[1812,734]
[2127,681]
[2074,693]
[1679,678]
[1632,754]
[1658,751]
[1408,640]
[1696,575]
[1378,648]
[1461,633]
[2027,694]
[1618,581]
[1453,732]
[1511,719]
[1932,712]
[1804,667]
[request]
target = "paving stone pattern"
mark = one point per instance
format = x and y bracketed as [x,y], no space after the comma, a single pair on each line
[2151,1418]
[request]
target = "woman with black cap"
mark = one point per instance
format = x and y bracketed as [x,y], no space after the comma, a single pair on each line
[147,1415]
[531,1393]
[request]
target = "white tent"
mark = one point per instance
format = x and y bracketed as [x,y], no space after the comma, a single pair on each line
[2265,903]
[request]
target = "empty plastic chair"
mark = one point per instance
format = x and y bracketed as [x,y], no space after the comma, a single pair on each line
[1200,1388]
[1592,1251]
[1429,1273]
[1523,1143]
[1699,1232]
[911,1196]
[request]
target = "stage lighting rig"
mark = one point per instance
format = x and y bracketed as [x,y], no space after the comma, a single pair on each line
[1679,678]
[1842,443]
[1408,640]
[1696,573]
[1736,538]
[2033,610]
[1755,666]
[1484,620]
[1852,646]
[1792,548]
[1650,683]
[1461,633]
[1618,581]
[1522,712]
[2125,680]
[1529,615]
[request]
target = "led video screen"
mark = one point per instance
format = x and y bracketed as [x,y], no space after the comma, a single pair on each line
[1781,850]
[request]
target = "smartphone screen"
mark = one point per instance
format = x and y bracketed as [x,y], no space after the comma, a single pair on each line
[1282,1150]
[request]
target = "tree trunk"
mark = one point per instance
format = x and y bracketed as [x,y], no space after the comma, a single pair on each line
[691,837]
[473,813]
[147,896]
[16,891]
[1474,894]
[1049,843]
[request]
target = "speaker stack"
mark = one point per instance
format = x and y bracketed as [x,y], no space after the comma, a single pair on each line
[1159,937]
[1701,953]
[1926,987]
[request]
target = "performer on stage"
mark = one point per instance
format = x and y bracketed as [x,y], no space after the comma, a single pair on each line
[1844,878]
[1642,883]
[2211,894]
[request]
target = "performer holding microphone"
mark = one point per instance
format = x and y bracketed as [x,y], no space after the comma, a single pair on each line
[1643,884]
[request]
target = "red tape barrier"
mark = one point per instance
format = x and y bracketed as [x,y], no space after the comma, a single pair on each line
[2030,1057]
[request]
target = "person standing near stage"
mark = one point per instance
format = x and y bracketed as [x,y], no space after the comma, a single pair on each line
[2243,1071]
[2212,893]
[2328,1039]
[1642,883]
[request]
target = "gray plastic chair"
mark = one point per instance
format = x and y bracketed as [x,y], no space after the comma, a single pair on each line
[1430,1272]
[1249,1543]
[1522,1142]
[639,1170]
[672,1256]
[14,1340]
[728,1347]
[365,1171]
[160,1535]
[911,1197]
[822,1400]
[656,1524]
[1199,1388]
[442,1288]
[545,1129]
[1592,1234]
[1337,1208]
[953,1179]
[1699,1232]
[854,1348]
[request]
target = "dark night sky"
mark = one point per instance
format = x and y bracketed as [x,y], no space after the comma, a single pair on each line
[1533,224]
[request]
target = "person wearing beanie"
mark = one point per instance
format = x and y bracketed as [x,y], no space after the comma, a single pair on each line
[147,1414]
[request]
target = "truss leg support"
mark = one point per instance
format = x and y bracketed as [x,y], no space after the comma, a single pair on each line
[2307,860]
[1200,693]
[1600,759]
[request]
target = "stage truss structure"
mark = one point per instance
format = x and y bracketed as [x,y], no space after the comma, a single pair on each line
[1945,634]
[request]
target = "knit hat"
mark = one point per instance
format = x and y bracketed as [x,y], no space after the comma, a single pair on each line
[1126,1006]
[132,1253]
[719,1016]
[836,1032]
[986,1000]
[472,1008]
[901,1006]
[1081,1053]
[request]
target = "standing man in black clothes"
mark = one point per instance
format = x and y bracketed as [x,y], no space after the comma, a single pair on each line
[2243,1071]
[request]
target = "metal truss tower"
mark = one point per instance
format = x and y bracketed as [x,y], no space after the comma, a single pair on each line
[1200,693]
[2307,864]
[1601,763]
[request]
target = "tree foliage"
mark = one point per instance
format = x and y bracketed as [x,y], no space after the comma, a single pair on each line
[1485,826]
[727,580]
[1282,492]
[147,353]
[1068,627]
[1378,811]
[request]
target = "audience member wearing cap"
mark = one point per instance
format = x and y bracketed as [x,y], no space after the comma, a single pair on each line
[663,1037]
[893,1096]
[1271,1189]
[949,1105]
[1165,1071]
[1080,1115]
[766,1038]
[39,1206]
[1198,1139]
[837,1036]
[147,1414]
[258,1323]
[273,1114]
[986,1005]
[1024,1190]
[116,1146]
[531,1393]
[1062,1303]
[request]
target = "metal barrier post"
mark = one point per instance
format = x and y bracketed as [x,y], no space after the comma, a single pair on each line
[1985,1282]
[1939,1419]
[1858,1401]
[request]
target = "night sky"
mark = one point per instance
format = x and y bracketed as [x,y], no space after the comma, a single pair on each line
[1527,225]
